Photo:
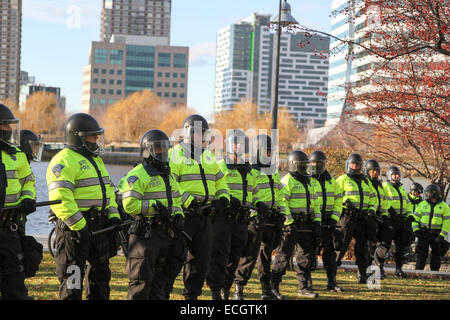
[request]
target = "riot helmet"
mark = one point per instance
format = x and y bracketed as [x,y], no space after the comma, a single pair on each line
[416,187]
[374,166]
[237,143]
[31,145]
[298,163]
[9,127]
[433,191]
[394,175]
[195,130]
[264,150]
[354,164]
[155,145]
[318,162]
[83,134]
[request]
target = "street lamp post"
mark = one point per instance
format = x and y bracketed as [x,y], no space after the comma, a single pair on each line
[283,19]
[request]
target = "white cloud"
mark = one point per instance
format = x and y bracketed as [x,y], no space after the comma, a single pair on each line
[70,13]
[202,54]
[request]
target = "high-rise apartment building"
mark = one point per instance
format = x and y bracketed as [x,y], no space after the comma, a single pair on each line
[149,18]
[10,42]
[244,70]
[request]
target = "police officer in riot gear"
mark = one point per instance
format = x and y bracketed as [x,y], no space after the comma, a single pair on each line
[17,188]
[397,227]
[359,202]
[77,176]
[204,193]
[264,230]
[415,195]
[431,226]
[330,202]
[302,228]
[229,229]
[150,194]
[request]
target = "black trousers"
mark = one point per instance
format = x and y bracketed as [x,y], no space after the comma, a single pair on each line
[198,254]
[145,255]
[87,260]
[262,240]
[393,230]
[304,252]
[422,248]
[12,278]
[329,253]
[228,241]
[357,229]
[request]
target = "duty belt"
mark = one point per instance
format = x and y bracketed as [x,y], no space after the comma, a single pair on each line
[396,217]
[301,217]
[95,216]
[355,214]
[241,216]
[10,219]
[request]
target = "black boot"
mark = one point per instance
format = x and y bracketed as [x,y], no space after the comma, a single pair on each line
[382,274]
[306,293]
[332,285]
[362,276]
[276,291]
[225,293]
[238,292]
[215,294]
[267,292]
[399,273]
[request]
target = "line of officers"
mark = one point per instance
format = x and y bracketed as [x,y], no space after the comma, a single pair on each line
[216,220]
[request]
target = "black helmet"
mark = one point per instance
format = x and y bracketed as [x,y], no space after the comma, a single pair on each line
[263,148]
[354,158]
[320,160]
[195,123]
[371,164]
[31,145]
[9,127]
[433,191]
[237,142]
[155,146]
[298,163]
[80,126]
[391,171]
[416,187]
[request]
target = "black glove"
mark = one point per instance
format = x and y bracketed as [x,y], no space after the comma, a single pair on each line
[262,208]
[411,219]
[235,204]
[392,210]
[219,204]
[178,223]
[417,233]
[332,223]
[27,206]
[194,205]
[114,222]
[371,212]
[83,236]
[439,239]
[163,211]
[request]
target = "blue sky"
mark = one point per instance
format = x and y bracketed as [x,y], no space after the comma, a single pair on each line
[57,34]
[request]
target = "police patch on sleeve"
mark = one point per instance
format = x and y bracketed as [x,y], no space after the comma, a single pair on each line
[57,170]
[131,180]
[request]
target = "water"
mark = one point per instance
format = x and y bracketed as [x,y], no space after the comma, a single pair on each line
[37,223]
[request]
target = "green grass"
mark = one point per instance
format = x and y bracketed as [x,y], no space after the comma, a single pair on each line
[45,286]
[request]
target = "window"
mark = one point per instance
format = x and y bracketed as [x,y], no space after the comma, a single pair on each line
[102,101]
[111,81]
[163,59]
[174,94]
[95,80]
[159,94]
[160,74]
[174,85]
[179,60]
[119,82]
[119,92]
[167,85]
[182,75]
[94,101]
[110,91]
[181,85]
[174,75]
[95,91]
[103,81]
[166,94]
[116,57]
[159,84]
[102,91]
[111,71]
[103,71]
[167,74]
[181,95]
[119,72]
[95,70]
[100,56]
[111,101]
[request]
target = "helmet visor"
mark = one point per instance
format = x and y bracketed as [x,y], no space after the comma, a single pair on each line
[36,149]
[317,167]
[265,155]
[158,150]
[301,167]
[395,176]
[237,145]
[373,173]
[94,141]
[10,132]
[353,167]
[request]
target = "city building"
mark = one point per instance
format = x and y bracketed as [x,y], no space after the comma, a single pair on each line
[136,17]
[244,70]
[29,89]
[10,41]
[118,69]
[25,78]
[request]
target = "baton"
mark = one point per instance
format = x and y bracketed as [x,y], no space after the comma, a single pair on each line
[112,228]
[123,241]
[38,204]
